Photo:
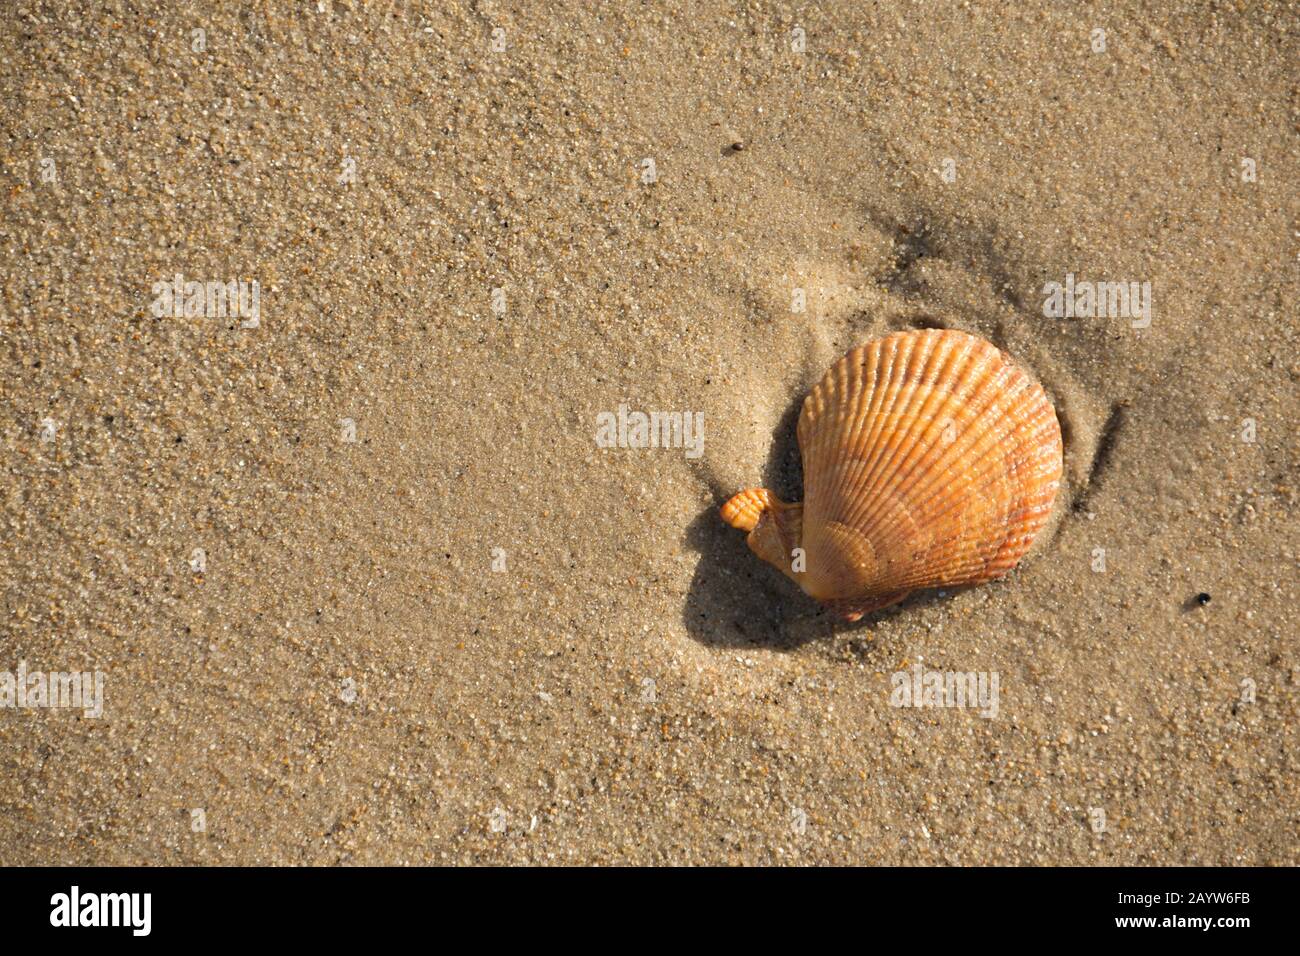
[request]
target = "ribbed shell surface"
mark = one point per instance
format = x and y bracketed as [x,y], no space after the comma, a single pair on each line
[930,459]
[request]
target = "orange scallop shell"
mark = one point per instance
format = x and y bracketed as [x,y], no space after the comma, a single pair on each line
[930,460]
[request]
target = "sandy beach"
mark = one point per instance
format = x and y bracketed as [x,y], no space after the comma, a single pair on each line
[312,313]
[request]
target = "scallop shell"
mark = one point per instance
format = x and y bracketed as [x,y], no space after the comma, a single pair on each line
[930,460]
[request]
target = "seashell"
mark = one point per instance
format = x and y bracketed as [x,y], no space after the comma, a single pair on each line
[930,460]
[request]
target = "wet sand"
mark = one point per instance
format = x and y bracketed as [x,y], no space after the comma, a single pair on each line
[363,585]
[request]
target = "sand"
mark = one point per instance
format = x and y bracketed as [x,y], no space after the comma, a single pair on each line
[350,672]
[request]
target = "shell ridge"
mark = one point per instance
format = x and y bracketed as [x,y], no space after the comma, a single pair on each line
[983,433]
[1021,518]
[980,438]
[889,503]
[937,399]
[812,445]
[866,510]
[885,355]
[819,492]
[984,457]
[866,476]
[859,446]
